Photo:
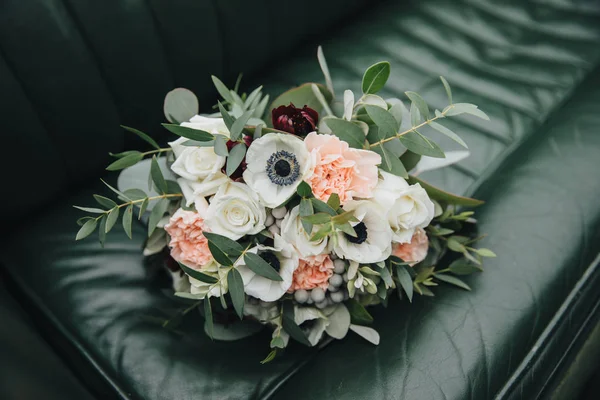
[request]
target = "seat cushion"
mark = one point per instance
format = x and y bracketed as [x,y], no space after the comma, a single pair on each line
[533,68]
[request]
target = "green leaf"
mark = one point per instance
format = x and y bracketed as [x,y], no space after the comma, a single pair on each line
[419,103]
[123,154]
[317,219]
[219,256]
[418,144]
[87,229]
[445,131]
[258,131]
[102,231]
[236,291]
[405,280]
[208,317]
[389,162]
[452,280]
[127,161]
[334,201]
[415,115]
[385,121]
[397,110]
[112,219]
[202,277]
[227,118]
[105,201]
[143,208]
[227,246]
[91,210]
[236,156]
[347,131]
[290,326]
[190,133]
[485,253]
[277,342]
[156,215]
[410,160]
[222,89]
[375,77]
[195,143]
[440,195]
[180,105]
[260,267]
[173,187]
[465,108]
[358,313]
[83,220]
[346,228]
[306,209]
[270,357]
[252,99]
[447,87]
[304,190]
[347,216]
[127,219]
[239,124]
[145,137]
[135,194]
[324,69]
[302,96]
[221,146]
[157,176]
[325,230]
[463,267]
[321,206]
[455,245]
[386,276]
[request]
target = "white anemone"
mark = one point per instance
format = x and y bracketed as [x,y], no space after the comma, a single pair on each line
[277,163]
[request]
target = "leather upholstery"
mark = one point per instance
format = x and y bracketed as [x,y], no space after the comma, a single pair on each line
[534,67]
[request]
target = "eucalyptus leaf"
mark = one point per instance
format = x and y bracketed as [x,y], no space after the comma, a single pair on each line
[221,146]
[385,121]
[202,277]
[227,118]
[306,209]
[405,280]
[463,267]
[445,131]
[127,161]
[397,110]
[358,313]
[142,136]
[87,229]
[452,280]
[222,89]
[447,88]
[180,105]
[135,194]
[91,210]
[375,77]
[157,177]
[238,126]
[208,318]
[105,201]
[228,246]
[219,256]
[290,326]
[260,267]
[347,131]
[189,133]
[418,101]
[304,190]
[317,219]
[302,96]
[415,115]
[410,159]
[348,104]
[111,219]
[390,162]
[366,333]
[443,196]
[236,156]
[465,108]
[156,215]
[325,69]
[418,144]
[236,291]
[321,206]
[127,220]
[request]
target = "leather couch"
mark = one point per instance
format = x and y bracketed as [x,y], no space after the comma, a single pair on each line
[71,71]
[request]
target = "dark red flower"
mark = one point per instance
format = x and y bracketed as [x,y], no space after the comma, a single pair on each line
[297,121]
[237,175]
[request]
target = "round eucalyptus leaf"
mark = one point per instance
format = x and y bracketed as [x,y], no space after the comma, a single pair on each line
[180,105]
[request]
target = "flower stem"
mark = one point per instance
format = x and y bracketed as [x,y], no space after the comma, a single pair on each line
[162,196]
[161,150]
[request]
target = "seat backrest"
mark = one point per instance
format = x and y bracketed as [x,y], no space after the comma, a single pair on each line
[72,71]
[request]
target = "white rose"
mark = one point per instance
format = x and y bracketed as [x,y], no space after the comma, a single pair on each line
[235,211]
[407,206]
[210,125]
[203,289]
[293,232]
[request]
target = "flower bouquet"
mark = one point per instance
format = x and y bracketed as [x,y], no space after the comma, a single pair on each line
[301,215]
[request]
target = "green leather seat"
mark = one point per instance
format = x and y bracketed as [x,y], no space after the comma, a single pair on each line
[534,66]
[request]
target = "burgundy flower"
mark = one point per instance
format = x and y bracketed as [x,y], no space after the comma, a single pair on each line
[297,121]
[237,175]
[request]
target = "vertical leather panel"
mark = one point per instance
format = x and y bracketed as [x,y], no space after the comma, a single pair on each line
[123,40]
[63,83]
[32,171]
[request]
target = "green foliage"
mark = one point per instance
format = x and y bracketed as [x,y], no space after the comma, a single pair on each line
[409,160]
[452,280]
[347,131]
[156,215]
[130,159]
[421,145]
[358,313]
[443,196]
[389,161]
[157,176]
[405,280]
[260,267]
[302,96]
[127,220]
[375,77]
[385,121]
[236,156]
[226,245]
[419,104]
[208,318]
[180,105]
[236,291]
[87,229]
[325,69]
[222,89]
[447,88]
[145,137]
[197,274]
[445,131]
[190,133]
[290,325]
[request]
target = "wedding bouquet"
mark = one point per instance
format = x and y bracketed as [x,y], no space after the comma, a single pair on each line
[301,215]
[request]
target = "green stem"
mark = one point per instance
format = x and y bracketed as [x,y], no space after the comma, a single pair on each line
[162,196]
[162,150]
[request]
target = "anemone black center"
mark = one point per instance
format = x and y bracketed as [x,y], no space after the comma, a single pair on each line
[282,168]
[361,234]
[271,259]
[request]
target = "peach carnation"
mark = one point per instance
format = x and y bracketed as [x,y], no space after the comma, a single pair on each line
[312,272]
[351,173]
[415,251]
[188,244]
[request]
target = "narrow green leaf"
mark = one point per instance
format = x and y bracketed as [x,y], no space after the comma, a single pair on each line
[227,118]
[405,281]
[465,108]
[252,99]
[91,210]
[102,231]
[418,101]
[202,277]
[306,209]
[157,176]
[143,208]
[83,220]
[258,131]
[112,219]
[304,190]
[260,267]
[325,69]
[317,219]
[127,161]
[347,216]
[173,187]
[440,195]
[87,229]
[239,124]
[135,194]
[156,215]
[410,159]
[222,89]
[189,133]
[463,267]
[389,162]
[397,110]
[334,201]
[485,253]
[447,87]
[452,280]
[236,291]
[236,156]
[415,115]
[221,146]
[219,255]
[358,313]
[325,230]
[195,143]
[346,228]
[375,77]
[347,131]
[228,246]
[445,131]
[208,318]
[385,121]
[321,206]
[270,357]
[290,326]
[418,144]
[142,136]
[123,154]
[454,245]
[127,220]
[105,201]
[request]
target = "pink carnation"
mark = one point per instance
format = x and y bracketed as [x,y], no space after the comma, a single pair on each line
[312,272]
[188,244]
[349,172]
[415,251]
